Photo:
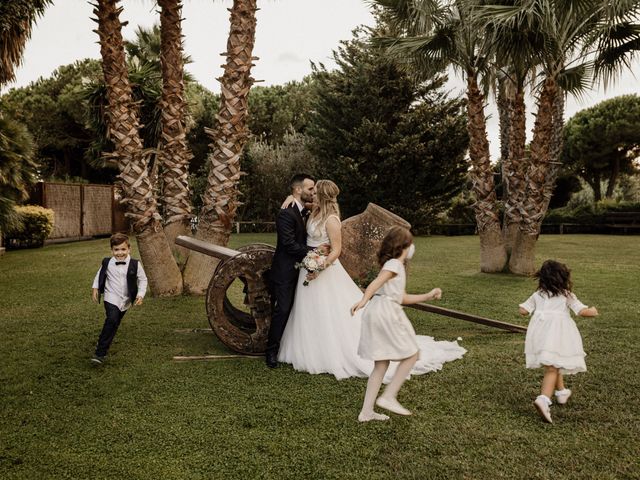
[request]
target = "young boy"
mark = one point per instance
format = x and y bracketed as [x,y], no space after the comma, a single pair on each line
[122,281]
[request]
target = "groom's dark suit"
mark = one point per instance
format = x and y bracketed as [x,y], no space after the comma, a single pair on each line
[283,277]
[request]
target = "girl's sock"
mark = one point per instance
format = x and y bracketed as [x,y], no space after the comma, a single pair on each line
[546,399]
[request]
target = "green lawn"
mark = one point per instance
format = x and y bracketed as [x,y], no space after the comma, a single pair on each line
[145,416]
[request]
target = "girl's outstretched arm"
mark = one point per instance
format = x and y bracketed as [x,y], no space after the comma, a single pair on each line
[381,279]
[435,294]
[588,312]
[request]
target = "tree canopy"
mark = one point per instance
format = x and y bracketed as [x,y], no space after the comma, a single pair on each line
[603,141]
[384,137]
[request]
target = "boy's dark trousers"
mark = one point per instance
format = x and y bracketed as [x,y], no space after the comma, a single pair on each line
[111,324]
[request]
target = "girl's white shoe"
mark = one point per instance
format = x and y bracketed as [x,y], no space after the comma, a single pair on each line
[562,396]
[542,404]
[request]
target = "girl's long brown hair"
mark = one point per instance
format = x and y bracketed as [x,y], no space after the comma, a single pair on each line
[554,278]
[393,243]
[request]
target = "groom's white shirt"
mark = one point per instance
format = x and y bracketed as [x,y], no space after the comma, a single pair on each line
[299,205]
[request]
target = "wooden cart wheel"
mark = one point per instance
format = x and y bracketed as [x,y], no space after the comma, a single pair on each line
[240,331]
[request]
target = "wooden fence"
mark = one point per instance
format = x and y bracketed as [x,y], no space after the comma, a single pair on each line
[81,210]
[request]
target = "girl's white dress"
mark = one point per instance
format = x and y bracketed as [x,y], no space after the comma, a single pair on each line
[552,336]
[387,333]
[321,336]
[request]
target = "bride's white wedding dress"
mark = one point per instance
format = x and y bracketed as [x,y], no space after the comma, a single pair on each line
[321,336]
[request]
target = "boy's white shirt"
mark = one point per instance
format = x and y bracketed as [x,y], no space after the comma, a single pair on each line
[115,288]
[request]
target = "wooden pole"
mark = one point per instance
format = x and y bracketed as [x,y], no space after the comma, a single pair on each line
[224,253]
[180,358]
[423,307]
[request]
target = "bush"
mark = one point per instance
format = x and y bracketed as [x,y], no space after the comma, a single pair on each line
[269,168]
[587,214]
[460,209]
[34,226]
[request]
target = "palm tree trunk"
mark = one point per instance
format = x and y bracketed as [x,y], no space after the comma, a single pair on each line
[174,153]
[220,200]
[160,266]
[522,260]
[504,120]
[493,255]
[515,173]
[556,150]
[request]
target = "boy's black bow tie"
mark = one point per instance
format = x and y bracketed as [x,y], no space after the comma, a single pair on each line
[304,212]
[121,263]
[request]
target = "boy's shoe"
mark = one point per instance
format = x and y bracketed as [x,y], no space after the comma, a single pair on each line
[562,396]
[97,360]
[542,405]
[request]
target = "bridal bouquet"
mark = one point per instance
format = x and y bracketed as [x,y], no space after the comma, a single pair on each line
[312,262]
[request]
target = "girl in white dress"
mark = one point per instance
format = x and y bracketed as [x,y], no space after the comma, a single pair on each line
[553,340]
[387,333]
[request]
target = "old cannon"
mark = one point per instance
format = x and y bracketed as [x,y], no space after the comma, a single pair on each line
[239,330]
[246,332]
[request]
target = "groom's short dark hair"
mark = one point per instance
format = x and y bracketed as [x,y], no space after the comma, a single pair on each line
[298,179]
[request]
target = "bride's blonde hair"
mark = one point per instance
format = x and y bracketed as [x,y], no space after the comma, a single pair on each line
[327,204]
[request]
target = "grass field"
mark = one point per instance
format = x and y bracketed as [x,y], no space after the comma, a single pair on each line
[144,416]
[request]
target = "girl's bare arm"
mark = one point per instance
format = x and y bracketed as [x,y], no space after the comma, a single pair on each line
[383,276]
[588,312]
[435,294]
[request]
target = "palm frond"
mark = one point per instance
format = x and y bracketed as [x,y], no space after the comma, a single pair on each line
[577,80]
[16,21]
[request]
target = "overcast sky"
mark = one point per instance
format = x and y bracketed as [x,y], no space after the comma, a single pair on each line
[290,34]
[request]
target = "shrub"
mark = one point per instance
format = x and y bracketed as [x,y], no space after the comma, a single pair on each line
[460,209]
[589,213]
[34,226]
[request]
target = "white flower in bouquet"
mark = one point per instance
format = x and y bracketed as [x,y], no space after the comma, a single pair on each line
[312,262]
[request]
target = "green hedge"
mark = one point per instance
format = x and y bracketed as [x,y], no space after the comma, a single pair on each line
[35,225]
[589,214]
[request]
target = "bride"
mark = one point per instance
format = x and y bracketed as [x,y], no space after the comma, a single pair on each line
[321,336]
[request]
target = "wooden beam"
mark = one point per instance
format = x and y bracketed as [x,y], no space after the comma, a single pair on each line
[193,330]
[180,358]
[207,248]
[468,317]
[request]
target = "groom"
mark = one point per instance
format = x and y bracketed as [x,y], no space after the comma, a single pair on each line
[291,248]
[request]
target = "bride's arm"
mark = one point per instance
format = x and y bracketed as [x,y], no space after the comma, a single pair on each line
[335,237]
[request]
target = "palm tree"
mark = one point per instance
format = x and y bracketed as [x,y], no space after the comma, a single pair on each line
[162,270]
[18,170]
[514,60]
[580,38]
[174,153]
[433,35]
[229,136]
[16,19]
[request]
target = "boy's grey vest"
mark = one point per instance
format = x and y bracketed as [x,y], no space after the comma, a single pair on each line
[132,278]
